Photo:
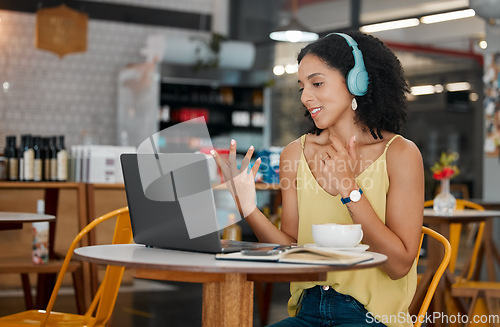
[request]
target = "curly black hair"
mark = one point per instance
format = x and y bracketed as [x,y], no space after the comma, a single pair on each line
[383,107]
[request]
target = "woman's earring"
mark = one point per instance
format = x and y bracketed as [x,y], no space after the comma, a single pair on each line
[354,104]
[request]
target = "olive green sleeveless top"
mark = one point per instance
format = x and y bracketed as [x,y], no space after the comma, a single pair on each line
[382,296]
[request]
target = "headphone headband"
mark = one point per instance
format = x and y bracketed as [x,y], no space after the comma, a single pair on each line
[357,78]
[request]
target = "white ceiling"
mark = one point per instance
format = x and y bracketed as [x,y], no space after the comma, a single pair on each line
[458,36]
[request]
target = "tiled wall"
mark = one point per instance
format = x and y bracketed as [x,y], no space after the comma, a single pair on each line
[198,6]
[74,95]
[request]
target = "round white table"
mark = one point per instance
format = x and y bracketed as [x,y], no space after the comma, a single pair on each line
[227,284]
[24,217]
[15,220]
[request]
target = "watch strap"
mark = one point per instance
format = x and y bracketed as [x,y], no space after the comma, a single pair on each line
[348,199]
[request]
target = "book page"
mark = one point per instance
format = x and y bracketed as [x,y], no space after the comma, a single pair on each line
[306,256]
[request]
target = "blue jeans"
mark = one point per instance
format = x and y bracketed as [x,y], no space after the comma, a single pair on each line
[323,308]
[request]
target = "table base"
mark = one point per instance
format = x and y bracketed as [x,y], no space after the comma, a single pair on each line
[227,298]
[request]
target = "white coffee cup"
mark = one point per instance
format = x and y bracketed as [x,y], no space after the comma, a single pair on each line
[337,235]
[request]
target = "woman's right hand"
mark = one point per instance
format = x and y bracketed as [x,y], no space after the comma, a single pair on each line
[240,182]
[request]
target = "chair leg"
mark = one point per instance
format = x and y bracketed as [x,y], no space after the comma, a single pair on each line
[45,285]
[471,233]
[472,306]
[460,304]
[79,291]
[28,297]
[492,305]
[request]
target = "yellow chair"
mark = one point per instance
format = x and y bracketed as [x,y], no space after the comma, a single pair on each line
[104,300]
[437,276]
[480,294]
[455,233]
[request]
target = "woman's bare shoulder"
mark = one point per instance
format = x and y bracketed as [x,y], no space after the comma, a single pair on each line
[290,156]
[292,150]
[404,145]
[404,152]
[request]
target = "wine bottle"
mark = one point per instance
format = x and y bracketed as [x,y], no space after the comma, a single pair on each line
[29,159]
[20,155]
[46,158]
[53,159]
[37,149]
[62,161]
[12,160]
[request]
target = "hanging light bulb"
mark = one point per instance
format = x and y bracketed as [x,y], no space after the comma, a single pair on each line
[294,31]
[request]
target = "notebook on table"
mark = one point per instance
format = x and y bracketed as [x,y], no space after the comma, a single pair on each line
[156,212]
[304,255]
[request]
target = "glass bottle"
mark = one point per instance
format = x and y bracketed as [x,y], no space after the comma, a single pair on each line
[29,159]
[20,155]
[12,159]
[62,160]
[53,158]
[444,202]
[37,149]
[46,158]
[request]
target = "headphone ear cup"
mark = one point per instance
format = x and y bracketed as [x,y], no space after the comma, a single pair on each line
[357,81]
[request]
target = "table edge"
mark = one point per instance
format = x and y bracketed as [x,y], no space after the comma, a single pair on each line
[291,268]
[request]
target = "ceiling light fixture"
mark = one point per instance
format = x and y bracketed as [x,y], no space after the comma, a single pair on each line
[438,88]
[458,86]
[278,70]
[423,90]
[291,68]
[294,31]
[437,18]
[395,24]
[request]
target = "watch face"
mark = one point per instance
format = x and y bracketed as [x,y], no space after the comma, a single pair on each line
[355,196]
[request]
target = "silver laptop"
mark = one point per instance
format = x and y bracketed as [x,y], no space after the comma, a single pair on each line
[167,213]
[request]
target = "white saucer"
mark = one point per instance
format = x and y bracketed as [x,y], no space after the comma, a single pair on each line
[357,248]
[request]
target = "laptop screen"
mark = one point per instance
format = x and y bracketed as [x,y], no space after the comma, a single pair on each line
[177,210]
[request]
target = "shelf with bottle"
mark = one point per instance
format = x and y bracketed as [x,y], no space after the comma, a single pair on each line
[246,97]
[211,106]
[212,115]
[224,108]
[36,159]
[218,122]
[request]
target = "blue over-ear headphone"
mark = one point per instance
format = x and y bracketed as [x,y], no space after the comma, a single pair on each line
[357,78]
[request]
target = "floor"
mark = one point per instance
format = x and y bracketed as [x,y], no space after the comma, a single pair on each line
[152,303]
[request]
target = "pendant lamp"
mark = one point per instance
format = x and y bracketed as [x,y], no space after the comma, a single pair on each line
[294,31]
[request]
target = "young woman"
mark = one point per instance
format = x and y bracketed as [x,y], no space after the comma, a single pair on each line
[353,167]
